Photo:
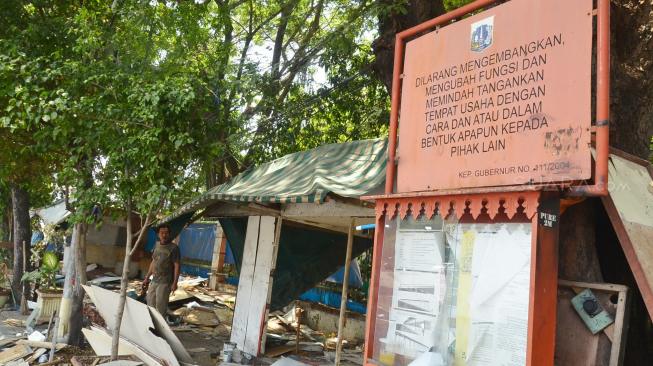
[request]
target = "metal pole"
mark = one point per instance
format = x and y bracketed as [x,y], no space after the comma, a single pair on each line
[602,126]
[345,287]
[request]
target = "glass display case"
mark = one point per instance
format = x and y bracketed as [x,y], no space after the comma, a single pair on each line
[452,293]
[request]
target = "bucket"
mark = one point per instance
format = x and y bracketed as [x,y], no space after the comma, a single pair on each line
[225,356]
[227,351]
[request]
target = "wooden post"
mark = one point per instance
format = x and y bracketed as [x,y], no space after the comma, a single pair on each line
[217,261]
[298,317]
[345,287]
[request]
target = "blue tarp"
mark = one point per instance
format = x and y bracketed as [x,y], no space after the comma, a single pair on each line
[355,277]
[196,242]
[332,299]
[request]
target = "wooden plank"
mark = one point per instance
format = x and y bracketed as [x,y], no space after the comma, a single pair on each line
[278,351]
[575,344]
[330,208]
[621,324]
[37,344]
[10,340]
[275,253]
[610,287]
[35,356]
[243,296]
[14,353]
[261,286]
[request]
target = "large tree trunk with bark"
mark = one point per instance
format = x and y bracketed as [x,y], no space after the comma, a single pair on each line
[416,12]
[70,313]
[75,336]
[22,234]
[631,107]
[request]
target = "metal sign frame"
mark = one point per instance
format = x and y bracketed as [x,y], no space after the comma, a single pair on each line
[600,129]
[542,209]
[539,203]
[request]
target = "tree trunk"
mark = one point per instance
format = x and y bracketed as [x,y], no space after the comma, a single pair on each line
[22,235]
[416,12]
[75,337]
[69,279]
[5,216]
[115,340]
[579,260]
[70,310]
[631,106]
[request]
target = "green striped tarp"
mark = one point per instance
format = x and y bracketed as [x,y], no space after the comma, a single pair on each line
[349,169]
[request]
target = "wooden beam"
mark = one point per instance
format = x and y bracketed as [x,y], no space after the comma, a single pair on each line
[331,208]
[217,261]
[229,209]
[345,288]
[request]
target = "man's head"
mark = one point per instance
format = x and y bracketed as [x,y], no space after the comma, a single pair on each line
[163,232]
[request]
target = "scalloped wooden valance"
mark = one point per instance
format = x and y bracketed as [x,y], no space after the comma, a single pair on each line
[510,203]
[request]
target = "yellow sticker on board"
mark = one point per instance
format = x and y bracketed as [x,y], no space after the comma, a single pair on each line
[463,321]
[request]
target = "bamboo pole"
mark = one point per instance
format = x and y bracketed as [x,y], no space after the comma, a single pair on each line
[345,287]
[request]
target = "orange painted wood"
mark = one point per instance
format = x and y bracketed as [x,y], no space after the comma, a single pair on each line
[544,285]
[377,252]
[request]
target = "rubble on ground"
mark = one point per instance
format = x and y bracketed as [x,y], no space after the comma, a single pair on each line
[196,313]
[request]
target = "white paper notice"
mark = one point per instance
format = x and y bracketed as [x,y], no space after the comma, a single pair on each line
[419,250]
[499,296]
[418,291]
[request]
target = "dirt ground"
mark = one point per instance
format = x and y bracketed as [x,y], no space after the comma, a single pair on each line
[202,328]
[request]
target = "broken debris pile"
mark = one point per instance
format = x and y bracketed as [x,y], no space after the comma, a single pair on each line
[28,349]
[144,333]
[285,334]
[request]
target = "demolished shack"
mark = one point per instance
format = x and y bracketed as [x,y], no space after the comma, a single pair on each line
[287,223]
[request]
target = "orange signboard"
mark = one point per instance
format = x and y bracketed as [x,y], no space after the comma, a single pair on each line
[500,98]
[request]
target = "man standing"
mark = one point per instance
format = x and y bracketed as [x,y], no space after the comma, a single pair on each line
[165,268]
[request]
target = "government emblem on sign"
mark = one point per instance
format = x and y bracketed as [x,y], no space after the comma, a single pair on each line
[481,35]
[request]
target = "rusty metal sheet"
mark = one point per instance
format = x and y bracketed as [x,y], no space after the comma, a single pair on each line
[499,98]
[630,208]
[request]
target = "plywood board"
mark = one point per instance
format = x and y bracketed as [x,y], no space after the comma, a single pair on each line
[241,311]
[136,326]
[261,286]
[100,341]
[164,330]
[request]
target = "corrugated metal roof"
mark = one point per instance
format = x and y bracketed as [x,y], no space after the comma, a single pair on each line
[630,207]
[349,169]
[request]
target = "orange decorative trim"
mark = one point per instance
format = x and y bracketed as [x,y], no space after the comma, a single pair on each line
[459,205]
